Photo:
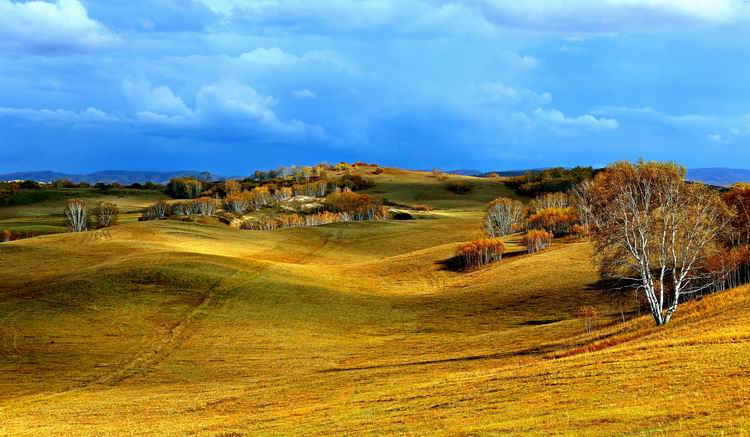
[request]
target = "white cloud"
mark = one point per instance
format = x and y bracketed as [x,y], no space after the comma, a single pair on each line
[276,57]
[602,16]
[62,116]
[555,121]
[304,94]
[717,138]
[229,105]
[159,100]
[42,27]
[652,114]
[498,92]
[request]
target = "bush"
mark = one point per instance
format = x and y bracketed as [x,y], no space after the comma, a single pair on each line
[589,316]
[537,240]
[480,252]
[356,182]
[106,214]
[6,236]
[459,187]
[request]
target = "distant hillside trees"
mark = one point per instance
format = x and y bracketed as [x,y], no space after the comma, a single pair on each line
[106,214]
[504,216]
[653,229]
[459,187]
[185,188]
[77,215]
[7,192]
[551,180]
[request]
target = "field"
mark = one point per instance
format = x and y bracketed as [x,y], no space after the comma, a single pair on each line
[353,328]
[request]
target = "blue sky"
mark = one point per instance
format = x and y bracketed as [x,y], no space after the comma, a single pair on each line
[236,85]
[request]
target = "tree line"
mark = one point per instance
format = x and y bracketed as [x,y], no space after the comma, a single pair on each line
[654,233]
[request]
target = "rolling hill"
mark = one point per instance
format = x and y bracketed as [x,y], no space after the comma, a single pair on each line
[353,328]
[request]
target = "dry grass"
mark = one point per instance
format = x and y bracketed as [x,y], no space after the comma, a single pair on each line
[355,328]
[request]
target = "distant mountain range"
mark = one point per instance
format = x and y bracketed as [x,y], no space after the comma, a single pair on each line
[124,177]
[712,176]
[719,176]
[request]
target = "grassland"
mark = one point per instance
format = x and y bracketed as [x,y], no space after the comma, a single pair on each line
[40,211]
[353,328]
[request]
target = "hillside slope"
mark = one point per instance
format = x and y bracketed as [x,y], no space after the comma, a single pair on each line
[353,328]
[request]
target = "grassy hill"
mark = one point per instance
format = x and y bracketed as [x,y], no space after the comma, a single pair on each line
[352,328]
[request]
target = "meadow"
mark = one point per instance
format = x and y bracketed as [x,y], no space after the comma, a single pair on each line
[168,327]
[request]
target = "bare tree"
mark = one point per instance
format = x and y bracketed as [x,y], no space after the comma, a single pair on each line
[77,215]
[653,229]
[106,214]
[550,200]
[504,216]
[583,197]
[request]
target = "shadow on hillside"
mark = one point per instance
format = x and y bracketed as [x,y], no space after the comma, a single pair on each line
[454,264]
[495,356]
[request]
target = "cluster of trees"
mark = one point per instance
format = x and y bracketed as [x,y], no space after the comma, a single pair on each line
[537,240]
[306,173]
[283,221]
[660,235]
[551,180]
[78,215]
[7,191]
[357,206]
[548,216]
[185,188]
[341,206]
[480,252]
[204,206]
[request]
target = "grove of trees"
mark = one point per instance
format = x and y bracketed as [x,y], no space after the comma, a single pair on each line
[654,231]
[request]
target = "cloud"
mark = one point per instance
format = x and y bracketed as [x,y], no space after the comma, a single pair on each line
[603,16]
[59,116]
[498,92]
[275,57]
[717,138]
[60,27]
[556,121]
[415,17]
[652,114]
[304,94]
[221,109]
[159,100]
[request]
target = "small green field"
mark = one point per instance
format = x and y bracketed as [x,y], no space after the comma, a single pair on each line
[178,328]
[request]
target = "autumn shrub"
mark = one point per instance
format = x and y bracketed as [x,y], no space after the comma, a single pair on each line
[557,220]
[480,252]
[6,236]
[589,316]
[537,240]
[106,214]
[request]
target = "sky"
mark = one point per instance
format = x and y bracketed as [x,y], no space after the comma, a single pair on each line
[232,86]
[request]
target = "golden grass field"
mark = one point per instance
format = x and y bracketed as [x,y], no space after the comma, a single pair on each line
[355,328]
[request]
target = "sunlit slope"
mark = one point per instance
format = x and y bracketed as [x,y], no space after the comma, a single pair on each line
[177,328]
